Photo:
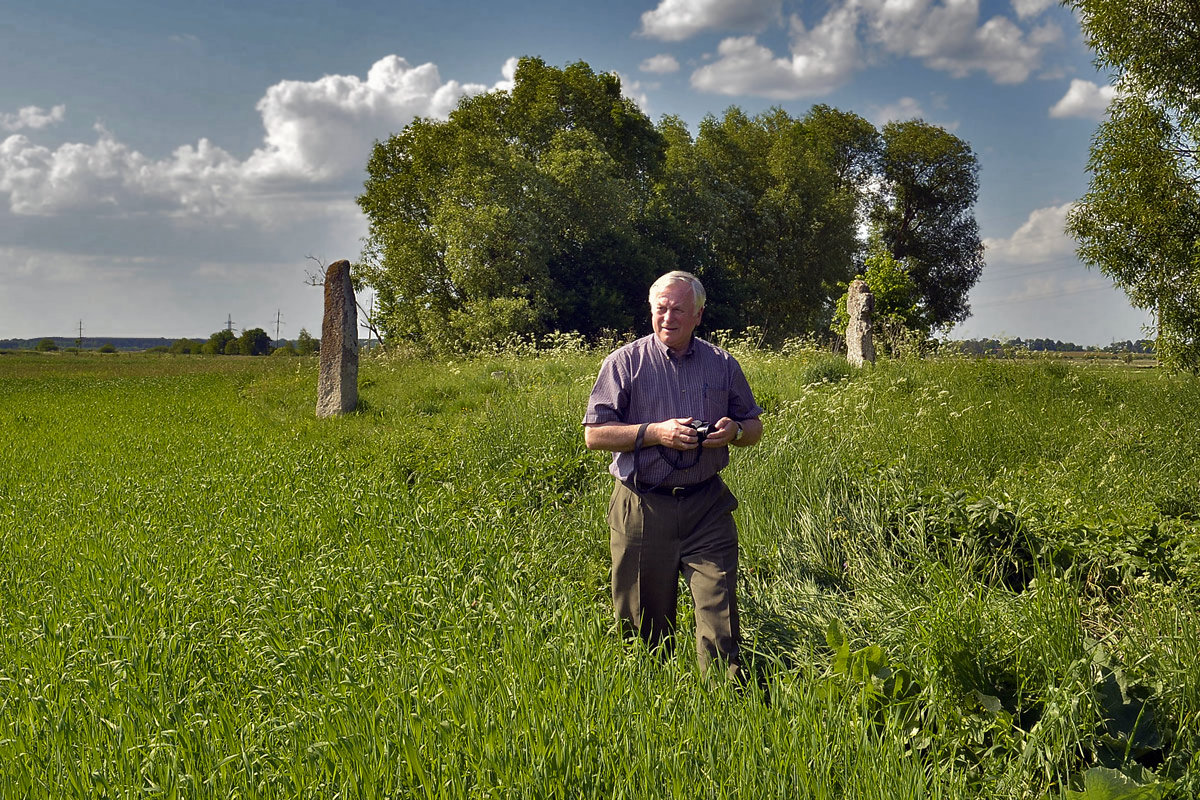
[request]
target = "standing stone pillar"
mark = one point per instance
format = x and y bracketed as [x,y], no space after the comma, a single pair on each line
[860,303]
[337,385]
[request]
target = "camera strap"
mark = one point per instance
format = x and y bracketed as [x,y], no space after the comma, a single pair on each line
[676,465]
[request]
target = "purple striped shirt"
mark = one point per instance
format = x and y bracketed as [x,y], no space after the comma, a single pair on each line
[645,382]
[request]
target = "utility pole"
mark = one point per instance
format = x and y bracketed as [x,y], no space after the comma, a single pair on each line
[278,320]
[229,324]
[79,340]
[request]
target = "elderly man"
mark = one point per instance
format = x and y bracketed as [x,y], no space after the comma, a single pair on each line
[670,512]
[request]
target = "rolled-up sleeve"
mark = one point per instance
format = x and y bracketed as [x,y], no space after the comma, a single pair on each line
[741,399]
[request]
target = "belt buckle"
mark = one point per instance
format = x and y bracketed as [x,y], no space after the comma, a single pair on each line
[679,491]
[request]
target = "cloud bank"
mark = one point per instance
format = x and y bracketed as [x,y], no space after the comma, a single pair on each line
[317,135]
[945,35]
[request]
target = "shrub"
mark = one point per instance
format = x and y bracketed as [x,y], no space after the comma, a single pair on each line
[826,369]
[254,342]
[306,345]
[186,346]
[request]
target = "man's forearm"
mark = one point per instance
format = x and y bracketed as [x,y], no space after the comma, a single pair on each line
[616,437]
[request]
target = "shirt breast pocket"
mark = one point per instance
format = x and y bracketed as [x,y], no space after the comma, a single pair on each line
[716,402]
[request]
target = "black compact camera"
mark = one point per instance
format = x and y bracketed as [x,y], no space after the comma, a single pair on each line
[703,430]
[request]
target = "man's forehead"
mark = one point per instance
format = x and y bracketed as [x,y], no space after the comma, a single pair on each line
[673,293]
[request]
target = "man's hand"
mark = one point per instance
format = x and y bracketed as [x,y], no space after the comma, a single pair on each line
[723,432]
[677,434]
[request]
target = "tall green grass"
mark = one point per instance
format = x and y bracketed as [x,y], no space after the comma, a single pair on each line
[206,592]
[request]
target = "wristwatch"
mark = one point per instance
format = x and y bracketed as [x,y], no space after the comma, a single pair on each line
[738,435]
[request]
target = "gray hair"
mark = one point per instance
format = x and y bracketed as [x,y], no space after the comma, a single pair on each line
[679,276]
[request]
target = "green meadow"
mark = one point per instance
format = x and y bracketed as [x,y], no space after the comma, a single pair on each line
[960,579]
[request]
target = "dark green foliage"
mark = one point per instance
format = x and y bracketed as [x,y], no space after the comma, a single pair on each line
[826,369]
[520,214]
[306,345]
[774,201]
[107,347]
[254,342]
[187,346]
[924,216]
[46,346]
[218,342]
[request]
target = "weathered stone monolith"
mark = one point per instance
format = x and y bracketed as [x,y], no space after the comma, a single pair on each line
[860,303]
[337,384]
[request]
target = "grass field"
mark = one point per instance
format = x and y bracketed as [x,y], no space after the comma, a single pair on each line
[961,579]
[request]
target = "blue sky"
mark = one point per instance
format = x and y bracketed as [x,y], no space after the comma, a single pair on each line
[165,165]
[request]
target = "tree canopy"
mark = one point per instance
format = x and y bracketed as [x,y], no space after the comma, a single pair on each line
[923,216]
[554,205]
[1139,222]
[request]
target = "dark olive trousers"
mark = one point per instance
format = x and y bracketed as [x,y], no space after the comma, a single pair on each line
[654,538]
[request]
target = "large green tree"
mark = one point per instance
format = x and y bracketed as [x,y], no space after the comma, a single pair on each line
[924,216]
[217,342]
[254,342]
[521,213]
[771,204]
[1139,222]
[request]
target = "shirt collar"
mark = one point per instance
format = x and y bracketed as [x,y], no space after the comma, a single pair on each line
[666,351]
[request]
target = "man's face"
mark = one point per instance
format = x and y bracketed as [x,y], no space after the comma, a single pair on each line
[674,315]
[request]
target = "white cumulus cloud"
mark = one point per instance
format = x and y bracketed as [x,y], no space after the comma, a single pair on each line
[821,60]
[1084,99]
[322,130]
[660,64]
[1041,239]
[676,20]
[32,118]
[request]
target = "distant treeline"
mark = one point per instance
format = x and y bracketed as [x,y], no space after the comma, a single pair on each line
[251,342]
[87,343]
[995,346]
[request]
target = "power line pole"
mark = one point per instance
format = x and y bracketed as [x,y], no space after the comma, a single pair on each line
[79,340]
[229,324]
[278,320]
